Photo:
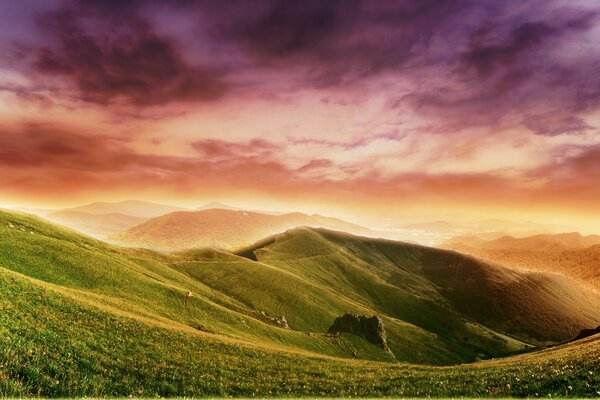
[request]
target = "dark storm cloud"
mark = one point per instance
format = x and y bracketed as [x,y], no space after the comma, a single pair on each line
[486,58]
[283,28]
[513,73]
[121,58]
[472,64]
[334,41]
[502,62]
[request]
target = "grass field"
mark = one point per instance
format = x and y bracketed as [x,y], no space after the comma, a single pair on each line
[79,317]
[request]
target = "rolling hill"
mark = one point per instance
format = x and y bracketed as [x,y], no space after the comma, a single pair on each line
[82,317]
[570,254]
[96,225]
[488,294]
[100,354]
[221,228]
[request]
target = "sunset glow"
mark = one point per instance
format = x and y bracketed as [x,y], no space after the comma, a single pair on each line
[372,110]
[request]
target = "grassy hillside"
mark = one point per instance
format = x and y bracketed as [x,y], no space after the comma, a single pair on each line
[226,229]
[419,285]
[81,317]
[98,353]
[147,285]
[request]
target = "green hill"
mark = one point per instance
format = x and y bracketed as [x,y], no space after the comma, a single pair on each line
[429,287]
[80,317]
[144,285]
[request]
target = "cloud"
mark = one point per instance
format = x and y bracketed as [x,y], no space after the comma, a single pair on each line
[515,75]
[486,58]
[111,53]
[220,149]
[38,146]
[350,144]
[456,64]
[332,43]
[285,29]
[462,64]
[51,161]
[379,100]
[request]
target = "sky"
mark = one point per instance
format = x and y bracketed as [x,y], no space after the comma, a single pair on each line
[389,109]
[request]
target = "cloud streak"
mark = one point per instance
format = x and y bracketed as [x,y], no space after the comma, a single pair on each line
[46,161]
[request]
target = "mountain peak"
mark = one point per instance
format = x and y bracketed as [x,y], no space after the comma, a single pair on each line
[216,204]
[222,228]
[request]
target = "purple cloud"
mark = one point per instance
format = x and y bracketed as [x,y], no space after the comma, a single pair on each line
[110,52]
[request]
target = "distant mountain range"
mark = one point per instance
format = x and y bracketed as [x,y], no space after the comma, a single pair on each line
[550,242]
[570,254]
[221,228]
[103,219]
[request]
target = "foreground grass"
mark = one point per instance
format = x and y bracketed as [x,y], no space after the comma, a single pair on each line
[79,317]
[52,346]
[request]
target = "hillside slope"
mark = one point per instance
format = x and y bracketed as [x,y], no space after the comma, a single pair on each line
[71,285]
[532,306]
[221,228]
[54,346]
[227,299]
[571,255]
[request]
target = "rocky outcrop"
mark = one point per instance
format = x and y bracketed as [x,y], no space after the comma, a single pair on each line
[282,321]
[587,332]
[369,328]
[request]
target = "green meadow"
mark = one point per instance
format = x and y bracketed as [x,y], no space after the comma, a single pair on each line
[80,317]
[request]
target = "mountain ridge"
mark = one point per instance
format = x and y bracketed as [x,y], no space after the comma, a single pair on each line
[572,254]
[221,228]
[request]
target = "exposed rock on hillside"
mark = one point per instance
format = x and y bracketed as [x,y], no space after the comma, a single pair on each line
[587,332]
[281,321]
[369,328]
